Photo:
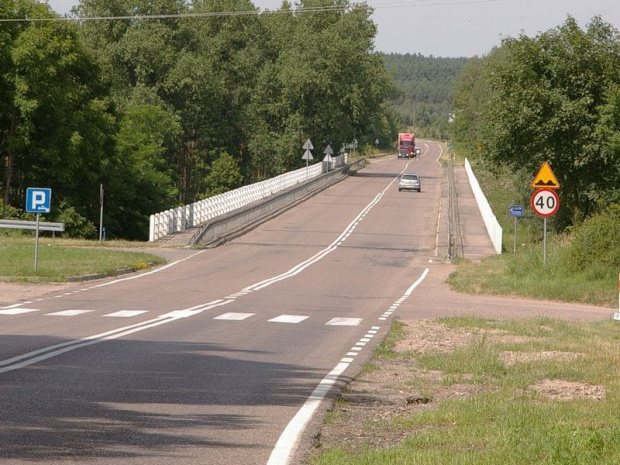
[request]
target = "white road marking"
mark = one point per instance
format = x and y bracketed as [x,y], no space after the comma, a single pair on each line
[344,321]
[126,313]
[234,316]
[13,306]
[69,313]
[288,319]
[290,436]
[17,311]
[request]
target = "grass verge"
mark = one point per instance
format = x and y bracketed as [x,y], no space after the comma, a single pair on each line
[545,391]
[523,269]
[59,259]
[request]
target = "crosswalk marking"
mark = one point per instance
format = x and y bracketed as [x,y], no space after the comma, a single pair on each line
[288,319]
[230,316]
[126,313]
[69,313]
[17,311]
[344,321]
[234,316]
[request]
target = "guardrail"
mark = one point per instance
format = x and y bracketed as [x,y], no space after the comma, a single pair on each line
[32,225]
[190,216]
[238,222]
[490,220]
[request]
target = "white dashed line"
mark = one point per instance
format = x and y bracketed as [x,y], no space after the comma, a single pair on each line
[344,321]
[126,313]
[69,313]
[234,316]
[288,319]
[17,311]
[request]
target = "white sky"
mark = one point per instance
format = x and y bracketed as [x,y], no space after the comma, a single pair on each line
[454,28]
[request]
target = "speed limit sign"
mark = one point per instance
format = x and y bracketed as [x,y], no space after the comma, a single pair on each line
[545,202]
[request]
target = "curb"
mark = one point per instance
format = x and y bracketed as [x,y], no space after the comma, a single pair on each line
[92,277]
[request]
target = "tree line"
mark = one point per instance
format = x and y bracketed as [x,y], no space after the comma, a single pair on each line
[554,97]
[423,100]
[174,101]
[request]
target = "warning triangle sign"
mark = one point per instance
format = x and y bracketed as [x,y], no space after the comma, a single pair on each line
[545,179]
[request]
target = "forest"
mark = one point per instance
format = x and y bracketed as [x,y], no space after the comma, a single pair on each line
[423,100]
[166,102]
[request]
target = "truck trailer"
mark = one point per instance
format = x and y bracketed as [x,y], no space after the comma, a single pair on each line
[406,145]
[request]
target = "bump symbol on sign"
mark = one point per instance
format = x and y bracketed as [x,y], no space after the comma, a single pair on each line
[545,179]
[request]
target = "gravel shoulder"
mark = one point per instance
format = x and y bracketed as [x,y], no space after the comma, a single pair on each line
[375,397]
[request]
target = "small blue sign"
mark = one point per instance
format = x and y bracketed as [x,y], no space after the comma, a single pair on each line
[38,200]
[516,211]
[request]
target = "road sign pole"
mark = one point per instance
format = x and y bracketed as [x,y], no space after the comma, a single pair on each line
[36,244]
[617,315]
[514,247]
[100,212]
[545,242]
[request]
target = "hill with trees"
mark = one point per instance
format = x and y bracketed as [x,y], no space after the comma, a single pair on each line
[423,100]
[167,102]
[555,98]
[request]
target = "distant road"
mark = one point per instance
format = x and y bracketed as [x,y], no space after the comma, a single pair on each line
[214,359]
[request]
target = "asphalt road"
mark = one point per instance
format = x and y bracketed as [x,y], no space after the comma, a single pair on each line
[223,356]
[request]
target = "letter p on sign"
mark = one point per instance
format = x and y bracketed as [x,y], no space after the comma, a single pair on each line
[38,200]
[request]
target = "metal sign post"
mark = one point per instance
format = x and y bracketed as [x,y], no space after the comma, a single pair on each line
[38,200]
[36,244]
[100,212]
[617,315]
[307,154]
[545,203]
[516,211]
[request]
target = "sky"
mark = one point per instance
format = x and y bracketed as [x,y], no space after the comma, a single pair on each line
[459,28]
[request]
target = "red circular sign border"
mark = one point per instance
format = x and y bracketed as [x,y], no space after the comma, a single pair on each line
[555,210]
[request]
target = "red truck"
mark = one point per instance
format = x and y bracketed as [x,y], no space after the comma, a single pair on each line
[406,145]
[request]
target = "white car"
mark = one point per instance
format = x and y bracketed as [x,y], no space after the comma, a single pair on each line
[410,181]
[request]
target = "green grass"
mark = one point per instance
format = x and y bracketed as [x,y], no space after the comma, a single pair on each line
[508,422]
[526,271]
[524,274]
[60,259]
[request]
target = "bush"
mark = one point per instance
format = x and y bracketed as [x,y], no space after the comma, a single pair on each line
[597,240]
[76,226]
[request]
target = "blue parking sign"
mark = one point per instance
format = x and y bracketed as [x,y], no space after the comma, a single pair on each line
[38,200]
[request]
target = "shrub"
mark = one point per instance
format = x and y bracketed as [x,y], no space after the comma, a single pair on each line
[76,225]
[597,240]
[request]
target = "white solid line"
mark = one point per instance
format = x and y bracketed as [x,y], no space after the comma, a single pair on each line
[417,283]
[287,443]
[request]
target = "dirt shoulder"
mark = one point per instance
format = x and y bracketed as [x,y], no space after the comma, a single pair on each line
[377,396]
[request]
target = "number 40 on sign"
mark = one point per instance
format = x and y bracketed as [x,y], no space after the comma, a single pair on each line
[545,202]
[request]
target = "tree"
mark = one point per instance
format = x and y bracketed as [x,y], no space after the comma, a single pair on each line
[549,100]
[321,80]
[64,123]
[224,176]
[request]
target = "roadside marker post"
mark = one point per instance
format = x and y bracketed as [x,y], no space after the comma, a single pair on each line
[617,315]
